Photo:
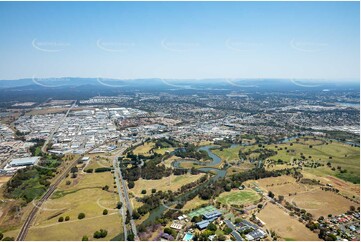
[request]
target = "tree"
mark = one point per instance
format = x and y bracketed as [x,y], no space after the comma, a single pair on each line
[85,238]
[1,236]
[270,194]
[131,184]
[154,190]
[221,237]
[81,215]
[119,205]
[130,237]
[280,198]
[144,191]
[105,211]
[61,219]
[212,227]
[67,218]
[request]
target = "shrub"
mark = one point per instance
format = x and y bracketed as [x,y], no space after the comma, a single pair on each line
[144,191]
[61,219]
[81,215]
[85,238]
[67,218]
[105,211]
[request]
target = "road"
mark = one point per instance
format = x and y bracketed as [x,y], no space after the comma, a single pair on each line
[121,198]
[235,234]
[125,192]
[43,149]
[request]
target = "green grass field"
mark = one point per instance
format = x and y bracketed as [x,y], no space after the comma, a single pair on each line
[144,149]
[345,156]
[228,154]
[342,155]
[237,197]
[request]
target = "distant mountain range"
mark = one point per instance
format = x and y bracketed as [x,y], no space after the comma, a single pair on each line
[203,84]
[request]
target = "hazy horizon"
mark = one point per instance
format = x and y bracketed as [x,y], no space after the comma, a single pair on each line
[180,40]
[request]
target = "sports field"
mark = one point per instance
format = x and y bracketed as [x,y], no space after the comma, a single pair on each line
[238,197]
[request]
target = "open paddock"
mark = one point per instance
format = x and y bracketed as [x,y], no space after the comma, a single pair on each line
[285,226]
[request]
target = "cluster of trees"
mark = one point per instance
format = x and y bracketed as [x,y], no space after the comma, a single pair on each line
[30,183]
[225,143]
[166,143]
[191,151]
[103,169]
[264,153]
[302,213]
[102,233]
[226,184]
[151,170]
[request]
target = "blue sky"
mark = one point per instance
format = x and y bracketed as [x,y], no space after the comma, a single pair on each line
[303,40]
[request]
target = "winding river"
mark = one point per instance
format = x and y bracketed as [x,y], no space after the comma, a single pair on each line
[219,173]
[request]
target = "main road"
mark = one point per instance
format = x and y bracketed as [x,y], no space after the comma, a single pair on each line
[50,137]
[123,186]
[121,197]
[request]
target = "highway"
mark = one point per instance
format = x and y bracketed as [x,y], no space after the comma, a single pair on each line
[125,192]
[121,198]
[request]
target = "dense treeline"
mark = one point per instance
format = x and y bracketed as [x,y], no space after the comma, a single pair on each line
[236,180]
[166,143]
[263,153]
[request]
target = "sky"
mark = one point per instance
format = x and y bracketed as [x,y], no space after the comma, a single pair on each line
[181,40]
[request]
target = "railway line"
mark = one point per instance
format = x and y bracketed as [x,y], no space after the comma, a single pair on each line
[25,228]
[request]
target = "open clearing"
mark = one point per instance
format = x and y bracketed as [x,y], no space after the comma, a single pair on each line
[144,149]
[309,197]
[172,183]
[322,203]
[4,180]
[285,226]
[194,203]
[238,197]
[84,194]
[228,154]
[162,151]
[75,230]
